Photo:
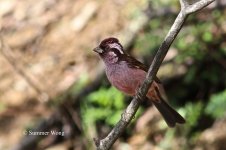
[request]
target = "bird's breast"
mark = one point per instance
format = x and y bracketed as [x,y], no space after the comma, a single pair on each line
[124,78]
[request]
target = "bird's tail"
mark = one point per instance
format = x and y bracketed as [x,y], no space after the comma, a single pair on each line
[170,115]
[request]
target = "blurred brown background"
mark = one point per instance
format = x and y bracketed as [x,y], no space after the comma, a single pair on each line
[50,80]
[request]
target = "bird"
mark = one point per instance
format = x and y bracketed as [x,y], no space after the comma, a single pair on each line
[127,74]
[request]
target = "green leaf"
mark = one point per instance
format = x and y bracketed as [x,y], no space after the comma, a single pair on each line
[114,117]
[217,104]
[104,104]
[207,37]
[192,112]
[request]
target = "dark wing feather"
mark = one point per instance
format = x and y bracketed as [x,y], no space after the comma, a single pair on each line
[133,63]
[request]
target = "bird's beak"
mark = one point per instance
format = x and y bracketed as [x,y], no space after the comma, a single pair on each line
[98,50]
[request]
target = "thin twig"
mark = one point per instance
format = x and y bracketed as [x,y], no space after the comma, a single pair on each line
[130,111]
[197,6]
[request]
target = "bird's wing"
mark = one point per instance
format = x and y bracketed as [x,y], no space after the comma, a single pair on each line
[133,63]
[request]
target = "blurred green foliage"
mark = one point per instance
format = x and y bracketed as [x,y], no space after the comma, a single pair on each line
[106,104]
[217,105]
[193,112]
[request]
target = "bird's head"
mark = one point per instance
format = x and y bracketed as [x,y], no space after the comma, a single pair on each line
[110,50]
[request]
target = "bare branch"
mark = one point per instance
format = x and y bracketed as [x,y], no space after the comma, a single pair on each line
[130,111]
[198,5]
[184,4]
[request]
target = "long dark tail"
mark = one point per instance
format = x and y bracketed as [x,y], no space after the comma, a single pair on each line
[169,114]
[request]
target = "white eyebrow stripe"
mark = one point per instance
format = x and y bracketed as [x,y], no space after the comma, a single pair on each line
[116,46]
